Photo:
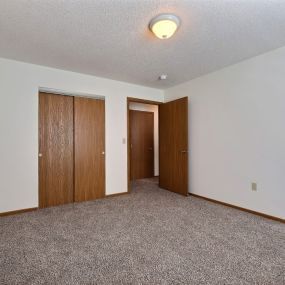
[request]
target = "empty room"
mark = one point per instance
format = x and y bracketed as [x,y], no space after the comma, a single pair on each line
[142,142]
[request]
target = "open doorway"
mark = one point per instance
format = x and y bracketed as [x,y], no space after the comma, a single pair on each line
[143,140]
[158,143]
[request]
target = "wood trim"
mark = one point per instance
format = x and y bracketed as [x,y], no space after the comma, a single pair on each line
[10,213]
[3,214]
[129,100]
[239,208]
[148,112]
[116,194]
[128,147]
[143,101]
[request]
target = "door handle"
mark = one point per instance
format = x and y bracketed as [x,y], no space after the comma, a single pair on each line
[40,154]
[184,151]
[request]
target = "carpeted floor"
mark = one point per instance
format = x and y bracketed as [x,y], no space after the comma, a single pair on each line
[151,236]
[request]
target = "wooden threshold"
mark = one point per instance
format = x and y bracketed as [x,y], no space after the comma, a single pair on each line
[239,208]
[3,214]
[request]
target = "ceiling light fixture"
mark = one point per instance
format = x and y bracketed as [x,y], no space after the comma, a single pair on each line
[164,25]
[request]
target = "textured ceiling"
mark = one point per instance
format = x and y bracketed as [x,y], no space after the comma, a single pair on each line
[110,38]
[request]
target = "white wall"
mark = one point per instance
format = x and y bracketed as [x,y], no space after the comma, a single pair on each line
[19,85]
[237,133]
[236,130]
[154,109]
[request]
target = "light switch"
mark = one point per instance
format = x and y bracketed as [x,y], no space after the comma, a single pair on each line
[254,186]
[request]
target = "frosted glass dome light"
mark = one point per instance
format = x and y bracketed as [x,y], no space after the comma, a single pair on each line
[164,26]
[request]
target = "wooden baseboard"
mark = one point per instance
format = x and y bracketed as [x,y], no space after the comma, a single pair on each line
[239,208]
[3,214]
[115,195]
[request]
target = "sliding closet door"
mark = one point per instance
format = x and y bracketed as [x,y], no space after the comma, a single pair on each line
[89,123]
[55,150]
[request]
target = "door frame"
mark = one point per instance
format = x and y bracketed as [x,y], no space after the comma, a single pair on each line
[71,94]
[143,101]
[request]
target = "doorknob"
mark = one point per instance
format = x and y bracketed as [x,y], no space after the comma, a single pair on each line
[40,154]
[184,151]
[103,152]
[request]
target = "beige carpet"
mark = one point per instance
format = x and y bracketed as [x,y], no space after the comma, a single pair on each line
[151,236]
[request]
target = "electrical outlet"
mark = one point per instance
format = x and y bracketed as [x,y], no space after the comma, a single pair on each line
[254,186]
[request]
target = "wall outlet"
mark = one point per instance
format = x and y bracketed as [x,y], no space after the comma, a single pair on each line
[254,186]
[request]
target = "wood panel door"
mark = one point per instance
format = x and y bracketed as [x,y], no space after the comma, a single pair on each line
[89,123]
[55,150]
[142,144]
[173,146]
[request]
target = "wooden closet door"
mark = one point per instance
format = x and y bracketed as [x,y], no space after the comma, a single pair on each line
[55,150]
[142,144]
[173,146]
[89,123]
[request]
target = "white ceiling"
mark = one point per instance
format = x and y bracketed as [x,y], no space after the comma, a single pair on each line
[110,38]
